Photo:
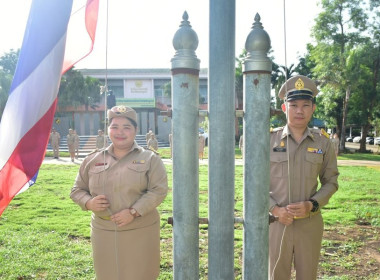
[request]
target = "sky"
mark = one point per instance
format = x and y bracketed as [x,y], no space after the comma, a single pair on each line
[140,33]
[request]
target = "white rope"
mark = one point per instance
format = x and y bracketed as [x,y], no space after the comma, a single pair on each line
[287,140]
[105,141]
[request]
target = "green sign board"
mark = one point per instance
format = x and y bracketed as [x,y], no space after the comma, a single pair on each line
[137,102]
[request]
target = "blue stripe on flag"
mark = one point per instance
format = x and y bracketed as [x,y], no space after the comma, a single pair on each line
[31,56]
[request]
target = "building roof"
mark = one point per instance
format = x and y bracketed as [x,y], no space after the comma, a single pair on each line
[136,73]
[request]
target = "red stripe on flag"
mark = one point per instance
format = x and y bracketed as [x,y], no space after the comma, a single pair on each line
[25,159]
[91,19]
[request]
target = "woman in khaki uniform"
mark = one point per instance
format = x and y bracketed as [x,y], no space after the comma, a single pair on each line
[122,186]
[299,156]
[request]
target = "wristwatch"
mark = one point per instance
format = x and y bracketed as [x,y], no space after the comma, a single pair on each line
[315,205]
[133,212]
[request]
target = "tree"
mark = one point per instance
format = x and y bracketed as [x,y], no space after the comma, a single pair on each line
[76,90]
[364,63]
[5,84]
[9,61]
[280,74]
[337,31]
[8,64]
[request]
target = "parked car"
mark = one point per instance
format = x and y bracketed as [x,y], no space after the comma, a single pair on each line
[376,141]
[356,139]
[369,140]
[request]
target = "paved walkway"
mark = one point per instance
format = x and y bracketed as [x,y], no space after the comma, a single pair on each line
[66,160]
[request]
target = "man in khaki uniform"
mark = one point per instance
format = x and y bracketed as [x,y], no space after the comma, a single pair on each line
[152,142]
[201,146]
[71,144]
[54,141]
[101,140]
[148,135]
[76,143]
[298,156]
[241,145]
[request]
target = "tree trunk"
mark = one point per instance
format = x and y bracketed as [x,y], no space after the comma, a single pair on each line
[342,145]
[364,133]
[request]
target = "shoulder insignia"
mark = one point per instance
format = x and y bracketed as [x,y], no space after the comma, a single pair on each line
[276,129]
[150,149]
[93,152]
[323,132]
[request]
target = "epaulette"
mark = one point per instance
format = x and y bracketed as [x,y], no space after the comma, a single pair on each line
[93,152]
[276,129]
[150,149]
[323,132]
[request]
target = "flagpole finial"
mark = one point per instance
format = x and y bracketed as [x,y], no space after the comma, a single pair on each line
[257,44]
[185,42]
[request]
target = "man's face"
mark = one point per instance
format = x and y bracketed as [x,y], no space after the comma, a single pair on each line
[299,112]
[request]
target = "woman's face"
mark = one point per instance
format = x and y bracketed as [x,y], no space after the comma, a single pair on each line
[122,133]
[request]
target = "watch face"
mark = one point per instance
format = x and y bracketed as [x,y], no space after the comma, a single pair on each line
[132,211]
[315,206]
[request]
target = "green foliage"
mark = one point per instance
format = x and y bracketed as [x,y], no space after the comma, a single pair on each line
[167,88]
[76,90]
[344,64]
[8,64]
[5,84]
[8,61]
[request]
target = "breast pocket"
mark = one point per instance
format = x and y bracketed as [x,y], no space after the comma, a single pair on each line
[313,165]
[278,164]
[137,175]
[96,175]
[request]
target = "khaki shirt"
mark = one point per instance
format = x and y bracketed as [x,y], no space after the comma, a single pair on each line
[201,143]
[153,144]
[137,180]
[313,157]
[76,141]
[101,141]
[54,138]
[70,139]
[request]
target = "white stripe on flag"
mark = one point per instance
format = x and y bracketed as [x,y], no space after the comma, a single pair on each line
[31,107]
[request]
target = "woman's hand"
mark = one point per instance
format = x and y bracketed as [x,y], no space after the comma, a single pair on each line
[122,218]
[284,217]
[97,203]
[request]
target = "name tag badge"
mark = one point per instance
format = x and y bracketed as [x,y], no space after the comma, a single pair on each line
[279,149]
[139,161]
[315,150]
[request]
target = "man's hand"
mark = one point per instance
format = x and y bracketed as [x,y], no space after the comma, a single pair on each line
[97,203]
[284,217]
[300,209]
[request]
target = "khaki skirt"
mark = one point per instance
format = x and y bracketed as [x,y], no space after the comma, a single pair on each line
[127,255]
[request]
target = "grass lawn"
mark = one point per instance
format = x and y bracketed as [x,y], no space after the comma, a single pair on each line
[44,235]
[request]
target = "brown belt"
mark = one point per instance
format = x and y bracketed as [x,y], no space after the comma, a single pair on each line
[311,214]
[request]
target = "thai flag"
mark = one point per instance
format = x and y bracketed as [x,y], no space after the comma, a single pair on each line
[28,115]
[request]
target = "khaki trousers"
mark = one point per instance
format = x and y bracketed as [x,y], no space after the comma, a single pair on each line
[301,243]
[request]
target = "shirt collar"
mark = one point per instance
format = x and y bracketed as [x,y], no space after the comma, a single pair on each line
[286,131]
[135,146]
